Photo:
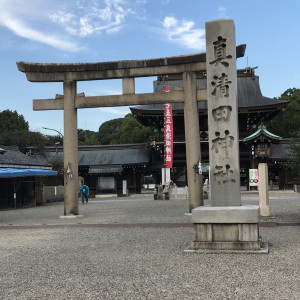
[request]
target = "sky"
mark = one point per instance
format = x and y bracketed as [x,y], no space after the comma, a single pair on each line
[72,31]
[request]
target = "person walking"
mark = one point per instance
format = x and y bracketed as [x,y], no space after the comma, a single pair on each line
[84,191]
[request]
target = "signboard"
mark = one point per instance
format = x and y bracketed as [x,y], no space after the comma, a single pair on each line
[124,187]
[168,132]
[262,150]
[253,177]
[106,183]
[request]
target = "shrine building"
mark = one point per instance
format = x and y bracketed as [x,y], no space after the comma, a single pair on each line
[253,109]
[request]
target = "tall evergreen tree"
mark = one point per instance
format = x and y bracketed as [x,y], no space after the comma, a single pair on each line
[12,121]
[287,122]
[131,131]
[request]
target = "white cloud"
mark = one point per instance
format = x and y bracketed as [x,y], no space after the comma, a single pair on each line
[21,29]
[222,14]
[91,17]
[92,91]
[61,23]
[169,22]
[184,33]
[19,17]
[114,111]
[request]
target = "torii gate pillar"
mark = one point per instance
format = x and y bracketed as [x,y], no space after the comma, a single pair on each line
[192,140]
[70,150]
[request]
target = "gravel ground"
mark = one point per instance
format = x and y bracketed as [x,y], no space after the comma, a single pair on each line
[92,262]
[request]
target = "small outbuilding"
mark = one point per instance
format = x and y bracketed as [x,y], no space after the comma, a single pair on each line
[110,168]
[21,178]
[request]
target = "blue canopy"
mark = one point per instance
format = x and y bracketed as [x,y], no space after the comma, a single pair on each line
[15,172]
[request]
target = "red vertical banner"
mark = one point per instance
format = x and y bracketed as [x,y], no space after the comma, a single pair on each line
[168,135]
[167,89]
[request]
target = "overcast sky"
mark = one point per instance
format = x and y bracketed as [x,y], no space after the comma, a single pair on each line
[60,31]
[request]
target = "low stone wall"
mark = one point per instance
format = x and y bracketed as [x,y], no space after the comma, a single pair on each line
[53,193]
[178,192]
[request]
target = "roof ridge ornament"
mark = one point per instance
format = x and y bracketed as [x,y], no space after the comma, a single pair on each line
[262,130]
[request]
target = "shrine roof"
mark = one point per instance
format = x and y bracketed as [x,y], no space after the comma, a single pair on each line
[107,155]
[262,130]
[13,157]
[249,96]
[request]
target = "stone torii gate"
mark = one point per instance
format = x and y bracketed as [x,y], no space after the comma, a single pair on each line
[70,73]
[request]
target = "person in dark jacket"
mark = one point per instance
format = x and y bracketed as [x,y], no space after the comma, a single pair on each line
[84,191]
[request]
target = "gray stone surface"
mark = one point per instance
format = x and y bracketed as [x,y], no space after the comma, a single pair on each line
[226,214]
[222,113]
[70,150]
[263,189]
[65,261]
[192,137]
[226,232]
[226,237]
[102,66]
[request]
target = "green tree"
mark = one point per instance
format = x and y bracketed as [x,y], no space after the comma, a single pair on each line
[287,122]
[57,164]
[14,131]
[28,142]
[52,140]
[131,131]
[107,129]
[294,157]
[12,121]
[87,137]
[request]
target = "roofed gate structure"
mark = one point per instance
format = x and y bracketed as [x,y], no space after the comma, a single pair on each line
[225,225]
[253,108]
[69,74]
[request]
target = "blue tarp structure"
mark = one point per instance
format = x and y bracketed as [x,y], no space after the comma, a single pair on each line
[15,172]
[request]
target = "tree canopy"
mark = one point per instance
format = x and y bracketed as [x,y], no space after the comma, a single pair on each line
[87,137]
[15,132]
[131,131]
[294,162]
[12,121]
[287,123]
[28,142]
[107,129]
[52,140]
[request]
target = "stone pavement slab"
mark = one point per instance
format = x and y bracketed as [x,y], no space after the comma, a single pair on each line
[83,259]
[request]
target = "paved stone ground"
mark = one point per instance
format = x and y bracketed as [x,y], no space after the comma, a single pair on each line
[44,257]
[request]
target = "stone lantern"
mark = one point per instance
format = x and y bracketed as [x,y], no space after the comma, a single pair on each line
[260,142]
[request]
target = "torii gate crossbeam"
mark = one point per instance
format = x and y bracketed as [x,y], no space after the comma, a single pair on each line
[69,74]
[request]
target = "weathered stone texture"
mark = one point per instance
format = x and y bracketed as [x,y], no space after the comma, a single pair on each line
[222,113]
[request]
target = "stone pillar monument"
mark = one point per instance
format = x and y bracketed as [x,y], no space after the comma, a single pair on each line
[222,114]
[263,188]
[226,225]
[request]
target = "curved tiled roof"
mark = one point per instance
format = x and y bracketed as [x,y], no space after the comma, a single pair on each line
[109,155]
[112,157]
[262,130]
[12,156]
[248,93]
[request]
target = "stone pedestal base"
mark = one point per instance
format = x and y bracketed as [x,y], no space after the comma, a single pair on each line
[226,228]
[226,245]
[71,217]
